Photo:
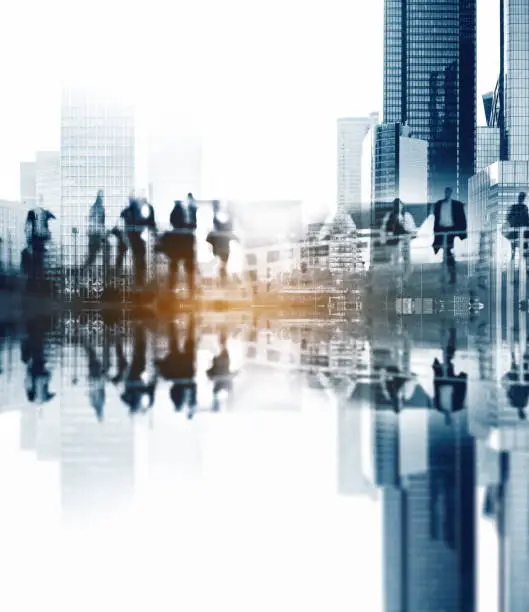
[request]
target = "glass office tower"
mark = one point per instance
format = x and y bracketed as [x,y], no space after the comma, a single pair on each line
[515,59]
[430,83]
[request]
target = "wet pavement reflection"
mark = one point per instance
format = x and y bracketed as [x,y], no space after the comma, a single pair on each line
[380,464]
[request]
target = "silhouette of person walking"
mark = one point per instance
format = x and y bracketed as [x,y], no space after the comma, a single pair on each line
[450,222]
[220,238]
[96,233]
[518,219]
[179,244]
[37,237]
[136,217]
[398,228]
[178,366]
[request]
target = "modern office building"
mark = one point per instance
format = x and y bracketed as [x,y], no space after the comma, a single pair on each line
[514,41]
[48,179]
[430,84]
[28,184]
[352,132]
[97,152]
[401,171]
[487,146]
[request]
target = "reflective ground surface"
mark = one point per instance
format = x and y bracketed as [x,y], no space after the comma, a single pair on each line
[236,461]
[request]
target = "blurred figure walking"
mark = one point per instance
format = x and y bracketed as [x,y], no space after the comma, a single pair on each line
[220,238]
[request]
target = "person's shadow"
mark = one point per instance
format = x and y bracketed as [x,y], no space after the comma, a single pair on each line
[178,366]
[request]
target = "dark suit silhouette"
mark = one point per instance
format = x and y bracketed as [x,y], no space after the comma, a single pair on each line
[444,236]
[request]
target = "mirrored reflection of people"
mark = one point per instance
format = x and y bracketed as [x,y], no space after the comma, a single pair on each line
[450,222]
[97,240]
[220,238]
[136,218]
[449,390]
[220,372]
[139,387]
[38,235]
[518,219]
[397,230]
[179,244]
[178,366]
[96,381]
[516,384]
[397,387]
[38,377]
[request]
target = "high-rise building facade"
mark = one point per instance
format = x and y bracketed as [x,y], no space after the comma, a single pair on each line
[401,171]
[48,179]
[351,134]
[487,146]
[430,83]
[515,51]
[28,183]
[97,152]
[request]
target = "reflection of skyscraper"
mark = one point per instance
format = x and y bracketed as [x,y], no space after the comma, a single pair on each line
[430,83]
[97,457]
[429,518]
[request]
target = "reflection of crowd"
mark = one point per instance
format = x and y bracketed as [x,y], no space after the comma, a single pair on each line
[133,370]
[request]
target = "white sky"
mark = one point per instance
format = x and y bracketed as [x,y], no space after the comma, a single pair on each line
[265,81]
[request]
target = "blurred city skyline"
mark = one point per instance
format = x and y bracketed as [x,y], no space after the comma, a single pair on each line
[259,90]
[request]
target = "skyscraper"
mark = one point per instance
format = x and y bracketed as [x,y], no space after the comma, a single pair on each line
[430,83]
[351,134]
[48,179]
[514,40]
[28,183]
[97,152]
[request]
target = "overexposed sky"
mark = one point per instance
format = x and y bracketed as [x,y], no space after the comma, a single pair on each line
[264,82]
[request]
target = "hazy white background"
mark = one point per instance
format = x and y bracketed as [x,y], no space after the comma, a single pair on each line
[262,82]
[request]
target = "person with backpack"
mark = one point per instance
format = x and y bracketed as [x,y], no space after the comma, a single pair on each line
[397,229]
[38,235]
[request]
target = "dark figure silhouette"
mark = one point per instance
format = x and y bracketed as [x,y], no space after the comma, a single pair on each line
[37,237]
[178,366]
[516,382]
[220,372]
[138,394]
[517,219]
[97,240]
[179,244]
[450,222]
[220,238]
[96,380]
[449,390]
[138,216]
[38,377]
